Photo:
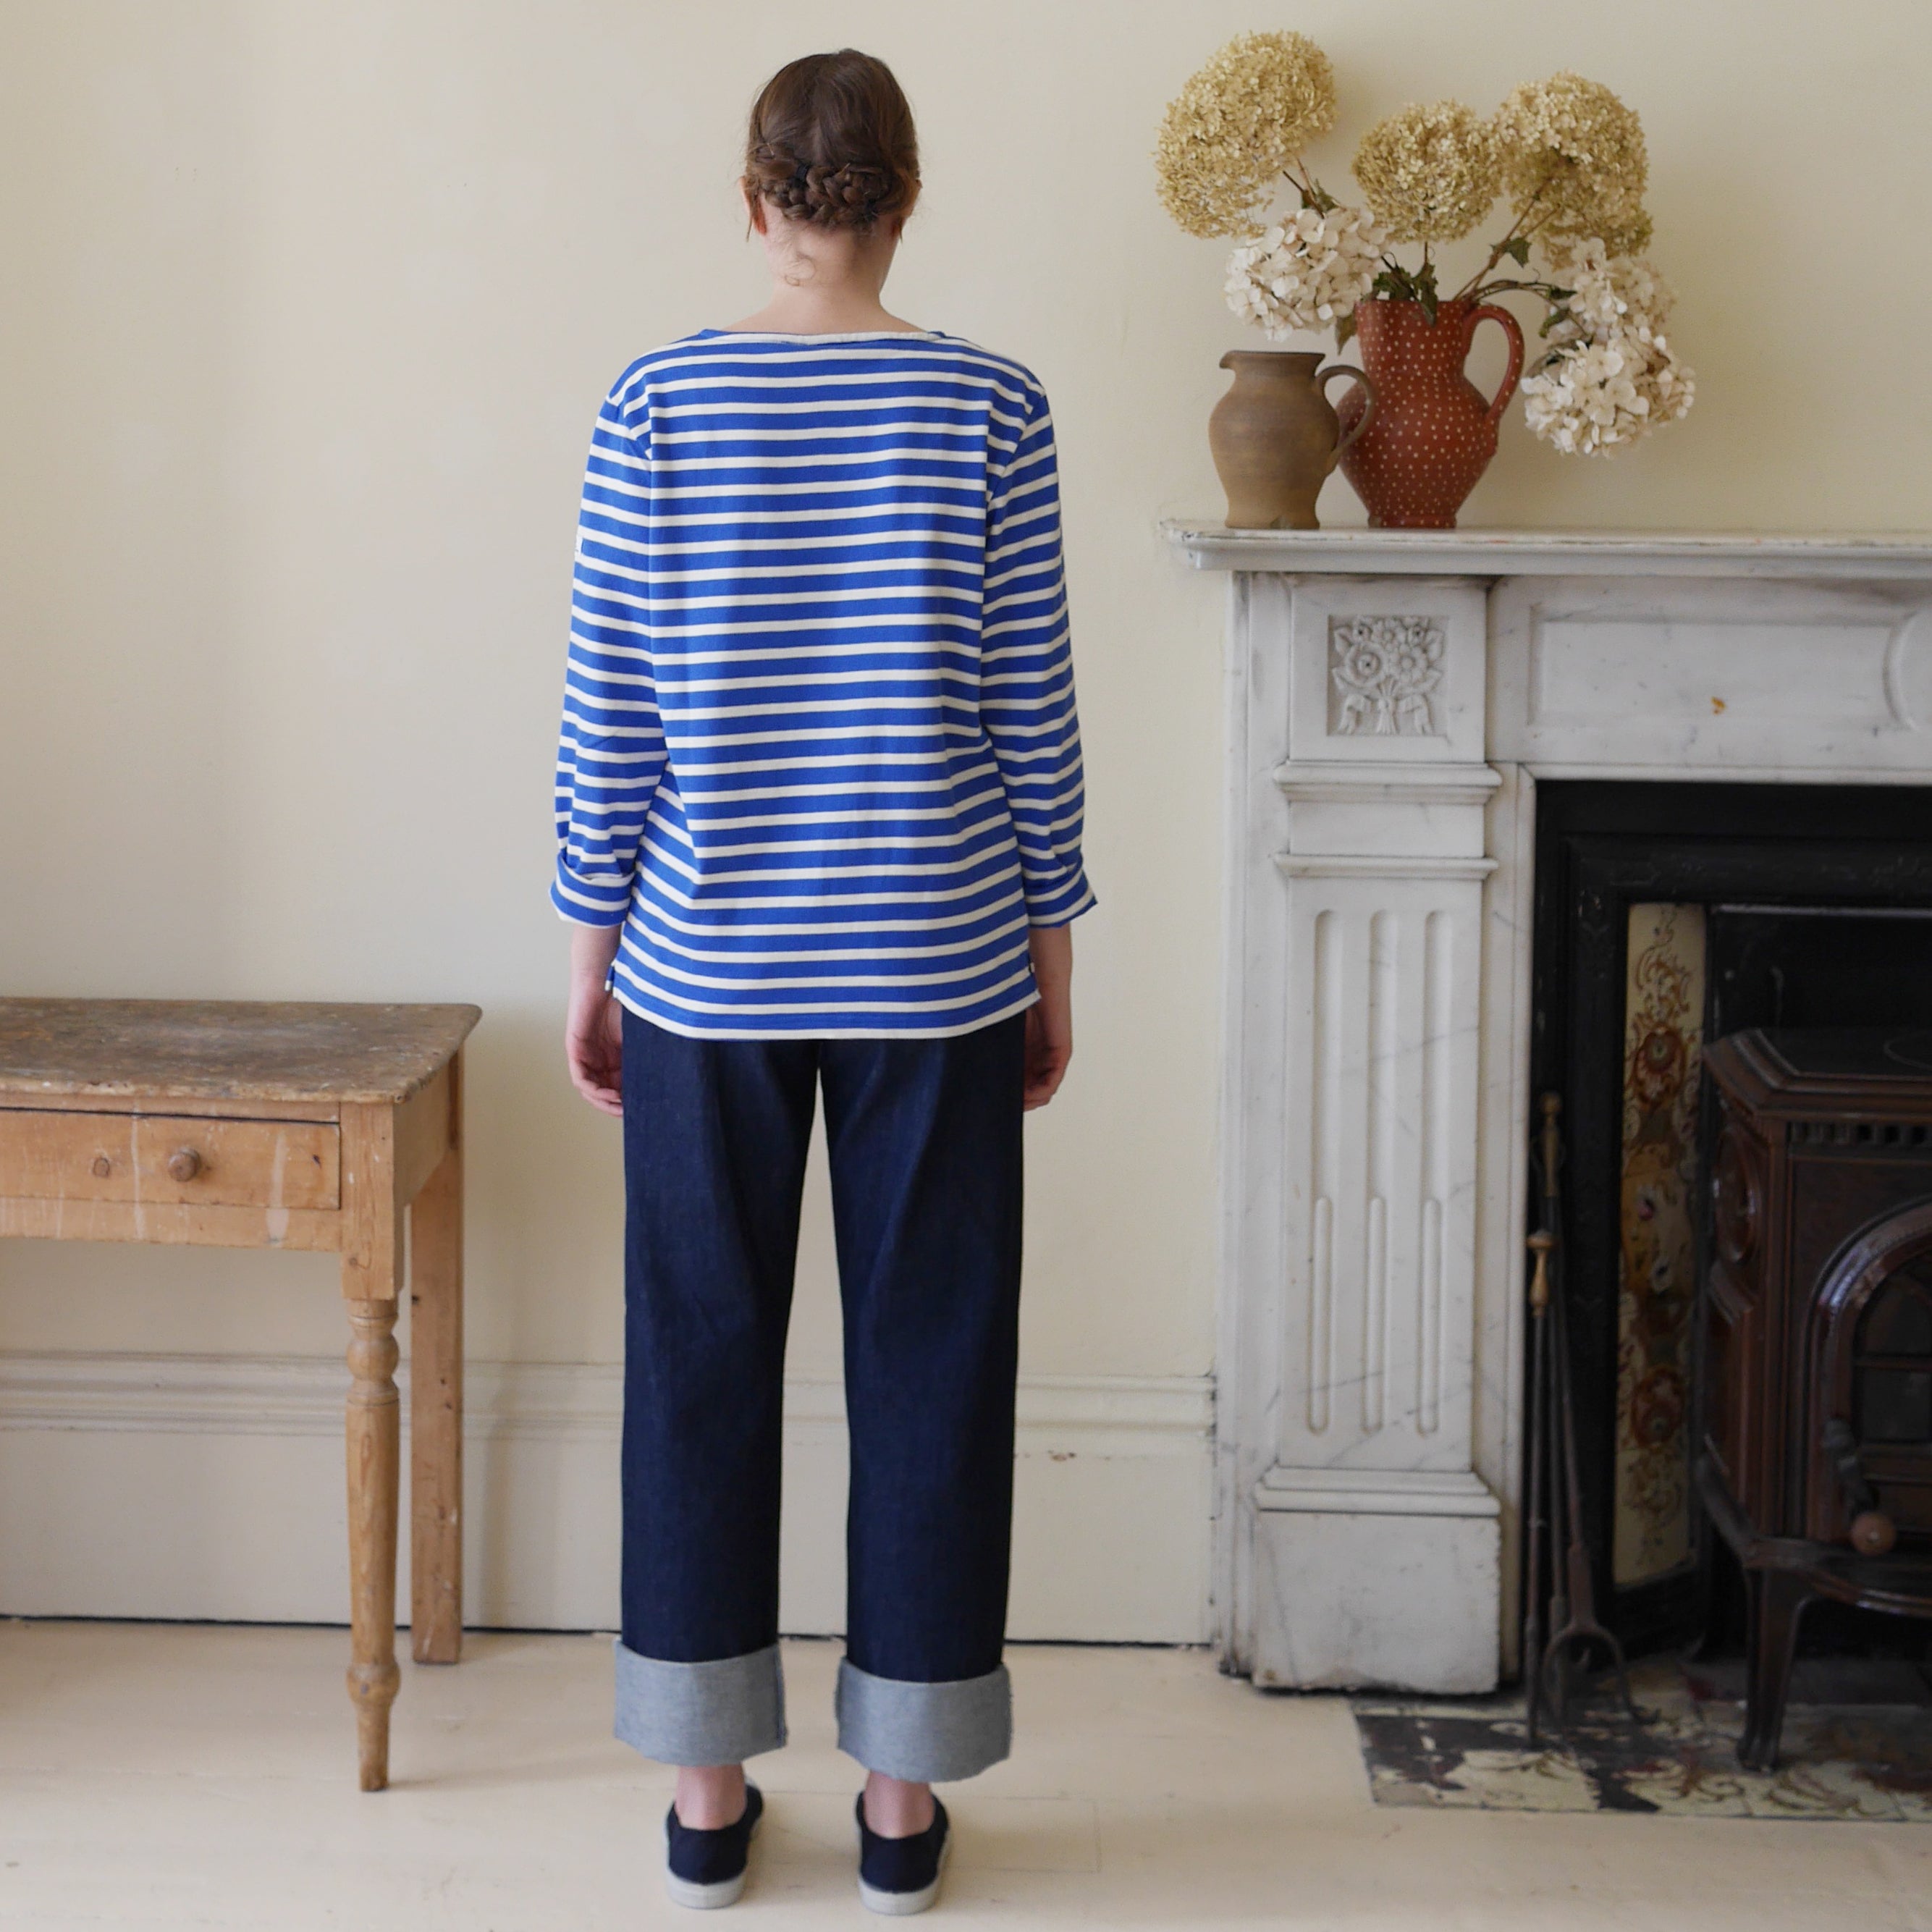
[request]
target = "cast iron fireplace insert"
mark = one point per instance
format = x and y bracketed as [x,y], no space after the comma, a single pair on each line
[1815,903]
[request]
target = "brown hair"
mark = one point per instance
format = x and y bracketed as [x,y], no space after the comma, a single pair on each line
[831,141]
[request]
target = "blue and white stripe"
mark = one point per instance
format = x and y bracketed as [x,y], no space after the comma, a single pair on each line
[819,756]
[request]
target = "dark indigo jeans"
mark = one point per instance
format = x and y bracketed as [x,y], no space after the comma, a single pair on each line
[925,1142]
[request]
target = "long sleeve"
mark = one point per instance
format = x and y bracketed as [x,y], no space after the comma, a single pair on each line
[610,755]
[1026,685]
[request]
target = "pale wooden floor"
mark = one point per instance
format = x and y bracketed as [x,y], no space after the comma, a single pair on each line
[158,1776]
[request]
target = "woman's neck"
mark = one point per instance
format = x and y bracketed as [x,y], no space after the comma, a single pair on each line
[823,311]
[827,284]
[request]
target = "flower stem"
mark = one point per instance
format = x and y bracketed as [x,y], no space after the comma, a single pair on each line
[1312,194]
[1516,229]
[1548,290]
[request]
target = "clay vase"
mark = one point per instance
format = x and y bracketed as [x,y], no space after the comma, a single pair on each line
[1275,439]
[1435,431]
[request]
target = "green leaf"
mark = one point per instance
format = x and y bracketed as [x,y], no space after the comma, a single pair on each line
[1517,249]
[1344,330]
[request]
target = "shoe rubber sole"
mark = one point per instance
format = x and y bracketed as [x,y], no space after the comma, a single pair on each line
[903,1904]
[710,1897]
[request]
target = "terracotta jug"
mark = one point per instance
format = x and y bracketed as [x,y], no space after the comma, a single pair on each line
[1275,439]
[1434,432]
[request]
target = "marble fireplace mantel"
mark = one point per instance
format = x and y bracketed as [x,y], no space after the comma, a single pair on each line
[1394,697]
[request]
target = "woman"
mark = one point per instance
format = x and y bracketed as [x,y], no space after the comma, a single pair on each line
[819,810]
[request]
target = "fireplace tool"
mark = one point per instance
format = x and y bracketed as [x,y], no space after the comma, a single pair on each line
[1556,1494]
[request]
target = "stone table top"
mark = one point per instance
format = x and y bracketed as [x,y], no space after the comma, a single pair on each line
[224,1049]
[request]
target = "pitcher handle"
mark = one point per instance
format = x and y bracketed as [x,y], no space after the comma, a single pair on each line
[1513,374]
[1362,421]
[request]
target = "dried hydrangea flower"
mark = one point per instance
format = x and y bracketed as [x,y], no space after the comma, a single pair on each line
[1611,376]
[1430,172]
[1307,270]
[1573,149]
[1228,134]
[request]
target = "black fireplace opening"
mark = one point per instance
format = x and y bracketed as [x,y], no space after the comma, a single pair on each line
[1667,917]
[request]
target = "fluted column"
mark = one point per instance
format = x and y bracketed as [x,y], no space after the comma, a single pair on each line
[1371,1545]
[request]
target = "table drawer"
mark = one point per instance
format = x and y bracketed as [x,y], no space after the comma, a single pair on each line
[161,1157]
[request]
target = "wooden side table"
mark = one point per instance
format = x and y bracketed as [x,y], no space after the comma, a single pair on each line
[244,1125]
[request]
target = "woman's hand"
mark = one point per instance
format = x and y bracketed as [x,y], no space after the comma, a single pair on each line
[1049,1020]
[593,1033]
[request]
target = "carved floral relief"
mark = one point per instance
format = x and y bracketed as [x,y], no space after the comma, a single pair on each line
[1384,673]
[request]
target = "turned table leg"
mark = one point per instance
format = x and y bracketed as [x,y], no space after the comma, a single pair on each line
[374,1433]
[436,1415]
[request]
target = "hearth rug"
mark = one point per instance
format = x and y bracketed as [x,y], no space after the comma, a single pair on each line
[1844,1755]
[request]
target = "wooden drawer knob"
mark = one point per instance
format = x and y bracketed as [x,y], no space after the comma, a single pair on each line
[183,1164]
[102,1167]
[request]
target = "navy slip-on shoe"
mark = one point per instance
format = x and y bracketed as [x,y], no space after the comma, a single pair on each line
[899,1876]
[705,1869]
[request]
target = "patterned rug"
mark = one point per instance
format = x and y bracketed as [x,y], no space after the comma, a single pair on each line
[1865,1754]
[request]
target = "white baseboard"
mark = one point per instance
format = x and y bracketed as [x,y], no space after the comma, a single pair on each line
[200,1485]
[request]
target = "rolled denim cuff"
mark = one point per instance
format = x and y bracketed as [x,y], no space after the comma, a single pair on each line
[720,1712]
[926,1733]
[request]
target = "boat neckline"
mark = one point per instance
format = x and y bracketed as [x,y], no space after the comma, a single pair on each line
[831,334]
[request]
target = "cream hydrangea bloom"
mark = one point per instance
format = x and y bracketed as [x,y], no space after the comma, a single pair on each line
[1611,376]
[1239,121]
[1430,172]
[1571,147]
[1307,270]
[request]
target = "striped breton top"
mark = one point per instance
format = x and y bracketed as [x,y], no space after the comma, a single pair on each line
[819,757]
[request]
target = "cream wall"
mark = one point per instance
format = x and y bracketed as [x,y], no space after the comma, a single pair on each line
[307,309]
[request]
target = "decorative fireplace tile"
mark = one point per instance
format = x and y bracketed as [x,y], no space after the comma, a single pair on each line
[1866,1762]
[1663,1010]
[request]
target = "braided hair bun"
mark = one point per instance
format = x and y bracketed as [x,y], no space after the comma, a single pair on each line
[831,142]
